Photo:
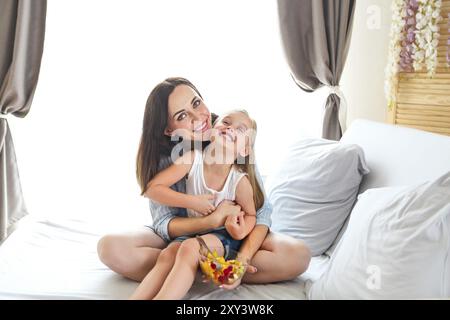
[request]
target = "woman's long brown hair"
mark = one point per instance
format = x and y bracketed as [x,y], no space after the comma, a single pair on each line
[154,144]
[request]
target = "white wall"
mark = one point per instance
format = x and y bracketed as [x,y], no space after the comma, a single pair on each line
[363,77]
[76,148]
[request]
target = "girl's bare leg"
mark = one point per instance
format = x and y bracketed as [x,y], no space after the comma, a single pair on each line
[131,254]
[280,258]
[153,282]
[182,276]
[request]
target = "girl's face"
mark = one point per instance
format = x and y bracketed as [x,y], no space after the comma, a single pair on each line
[188,115]
[234,132]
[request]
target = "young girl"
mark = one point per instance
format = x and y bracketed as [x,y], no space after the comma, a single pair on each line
[223,171]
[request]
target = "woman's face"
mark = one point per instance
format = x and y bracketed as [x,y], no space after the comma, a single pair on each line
[188,115]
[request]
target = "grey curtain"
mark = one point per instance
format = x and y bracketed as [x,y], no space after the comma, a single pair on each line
[22,28]
[316,37]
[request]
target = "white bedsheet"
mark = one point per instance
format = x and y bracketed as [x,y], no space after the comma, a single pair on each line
[51,259]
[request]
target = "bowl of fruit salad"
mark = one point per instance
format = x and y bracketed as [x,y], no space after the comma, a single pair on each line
[217,269]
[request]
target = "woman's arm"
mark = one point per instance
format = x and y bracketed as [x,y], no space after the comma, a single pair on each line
[180,226]
[240,226]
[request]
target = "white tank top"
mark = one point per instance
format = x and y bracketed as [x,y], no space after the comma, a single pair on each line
[196,184]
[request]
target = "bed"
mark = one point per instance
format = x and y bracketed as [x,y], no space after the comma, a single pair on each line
[56,259]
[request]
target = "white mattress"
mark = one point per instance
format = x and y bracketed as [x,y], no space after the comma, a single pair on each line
[46,259]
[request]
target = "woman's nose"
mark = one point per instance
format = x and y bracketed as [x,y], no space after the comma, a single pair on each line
[196,117]
[199,116]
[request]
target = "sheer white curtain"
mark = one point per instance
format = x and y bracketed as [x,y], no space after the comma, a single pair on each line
[102,58]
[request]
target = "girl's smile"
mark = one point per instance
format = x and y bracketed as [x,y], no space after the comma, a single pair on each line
[227,135]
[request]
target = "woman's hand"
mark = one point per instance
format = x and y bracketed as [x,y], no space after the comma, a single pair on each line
[225,209]
[202,203]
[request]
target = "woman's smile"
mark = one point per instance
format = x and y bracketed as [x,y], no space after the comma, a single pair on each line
[203,126]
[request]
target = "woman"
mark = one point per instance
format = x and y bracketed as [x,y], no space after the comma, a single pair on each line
[175,108]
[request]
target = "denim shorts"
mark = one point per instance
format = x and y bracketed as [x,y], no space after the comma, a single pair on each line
[231,246]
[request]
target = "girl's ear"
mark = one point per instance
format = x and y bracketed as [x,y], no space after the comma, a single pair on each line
[244,151]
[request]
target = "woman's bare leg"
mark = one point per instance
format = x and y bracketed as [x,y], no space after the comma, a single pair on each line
[154,280]
[131,254]
[182,276]
[280,258]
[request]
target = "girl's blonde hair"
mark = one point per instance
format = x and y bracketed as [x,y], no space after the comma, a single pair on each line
[247,165]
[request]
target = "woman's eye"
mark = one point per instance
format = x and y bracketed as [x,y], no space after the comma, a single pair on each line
[181,116]
[196,103]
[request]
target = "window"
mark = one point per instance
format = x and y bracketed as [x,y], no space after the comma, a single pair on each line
[76,149]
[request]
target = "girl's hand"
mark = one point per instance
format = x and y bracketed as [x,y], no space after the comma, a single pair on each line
[235,223]
[250,269]
[202,204]
[225,209]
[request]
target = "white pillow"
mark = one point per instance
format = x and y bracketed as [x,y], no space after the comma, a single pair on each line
[314,190]
[396,246]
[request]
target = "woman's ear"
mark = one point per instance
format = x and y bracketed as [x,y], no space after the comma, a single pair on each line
[168,132]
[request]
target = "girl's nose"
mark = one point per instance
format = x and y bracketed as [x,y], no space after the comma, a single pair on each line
[230,130]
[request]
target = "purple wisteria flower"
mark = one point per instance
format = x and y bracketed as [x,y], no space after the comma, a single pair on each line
[409,36]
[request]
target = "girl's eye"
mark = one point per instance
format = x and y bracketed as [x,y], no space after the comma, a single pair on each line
[181,116]
[196,103]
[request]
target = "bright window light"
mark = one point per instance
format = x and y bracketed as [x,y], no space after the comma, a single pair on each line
[76,149]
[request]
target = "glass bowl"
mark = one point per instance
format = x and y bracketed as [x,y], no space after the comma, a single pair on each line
[220,271]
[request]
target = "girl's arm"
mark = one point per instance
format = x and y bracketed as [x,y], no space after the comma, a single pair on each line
[158,189]
[248,249]
[180,226]
[253,242]
[240,226]
[255,239]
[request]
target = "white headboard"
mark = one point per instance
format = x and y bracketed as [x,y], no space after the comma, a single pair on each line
[398,155]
